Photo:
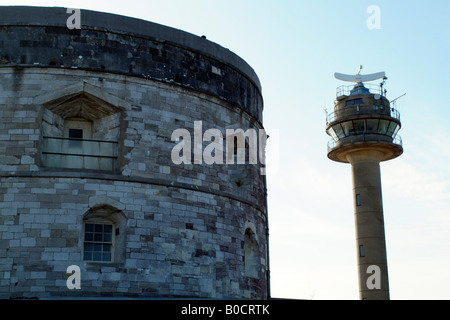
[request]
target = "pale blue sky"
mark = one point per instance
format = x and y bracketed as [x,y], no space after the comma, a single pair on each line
[295,47]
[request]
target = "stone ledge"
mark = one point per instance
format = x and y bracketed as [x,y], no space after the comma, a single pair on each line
[100,175]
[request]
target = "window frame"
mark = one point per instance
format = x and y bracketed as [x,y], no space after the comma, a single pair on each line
[112,243]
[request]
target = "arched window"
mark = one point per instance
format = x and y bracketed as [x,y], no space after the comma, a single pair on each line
[98,241]
[104,234]
[251,255]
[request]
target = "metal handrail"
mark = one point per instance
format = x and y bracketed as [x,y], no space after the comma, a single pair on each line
[80,150]
[363,109]
[78,139]
[360,134]
[79,153]
[345,90]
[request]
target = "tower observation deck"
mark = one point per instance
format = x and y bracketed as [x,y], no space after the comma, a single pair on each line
[363,118]
[364,127]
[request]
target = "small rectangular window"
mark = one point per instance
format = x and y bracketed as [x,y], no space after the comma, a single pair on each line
[358,200]
[354,101]
[76,133]
[361,251]
[97,242]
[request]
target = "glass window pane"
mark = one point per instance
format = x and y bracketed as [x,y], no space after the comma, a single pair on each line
[107,228]
[97,256]
[89,227]
[98,228]
[359,126]
[332,134]
[372,125]
[382,128]
[348,128]
[88,247]
[88,236]
[396,131]
[107,237]
[391,128]
[106,248]
[106,257]
[97,247]
[98,237]
[337,128]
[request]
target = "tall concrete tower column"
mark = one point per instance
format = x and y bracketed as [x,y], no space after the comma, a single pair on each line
[364,127]
[369,224]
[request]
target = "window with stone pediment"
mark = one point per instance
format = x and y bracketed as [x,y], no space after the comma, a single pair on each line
[104,233]
[81,129]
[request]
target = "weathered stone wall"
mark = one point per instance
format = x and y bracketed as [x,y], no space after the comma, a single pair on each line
[40,37]
[179,242]
[182,228]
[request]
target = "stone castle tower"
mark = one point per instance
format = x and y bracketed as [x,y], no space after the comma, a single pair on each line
[86,174]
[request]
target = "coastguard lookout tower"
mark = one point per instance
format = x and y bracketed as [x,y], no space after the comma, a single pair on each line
[364,128]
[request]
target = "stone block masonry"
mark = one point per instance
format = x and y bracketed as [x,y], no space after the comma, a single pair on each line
[86,176]
[189,242]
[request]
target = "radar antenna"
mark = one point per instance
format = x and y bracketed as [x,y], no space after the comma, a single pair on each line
[358,78]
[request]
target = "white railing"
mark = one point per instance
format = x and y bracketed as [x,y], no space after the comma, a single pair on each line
[368,137]
[363,109]
[79,153]
[345,90]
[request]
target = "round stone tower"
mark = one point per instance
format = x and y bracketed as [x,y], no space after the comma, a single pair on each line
[364,128]
[99,196]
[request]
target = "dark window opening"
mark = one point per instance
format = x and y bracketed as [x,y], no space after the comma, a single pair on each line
[358,200]
[76,133]
[354,101]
